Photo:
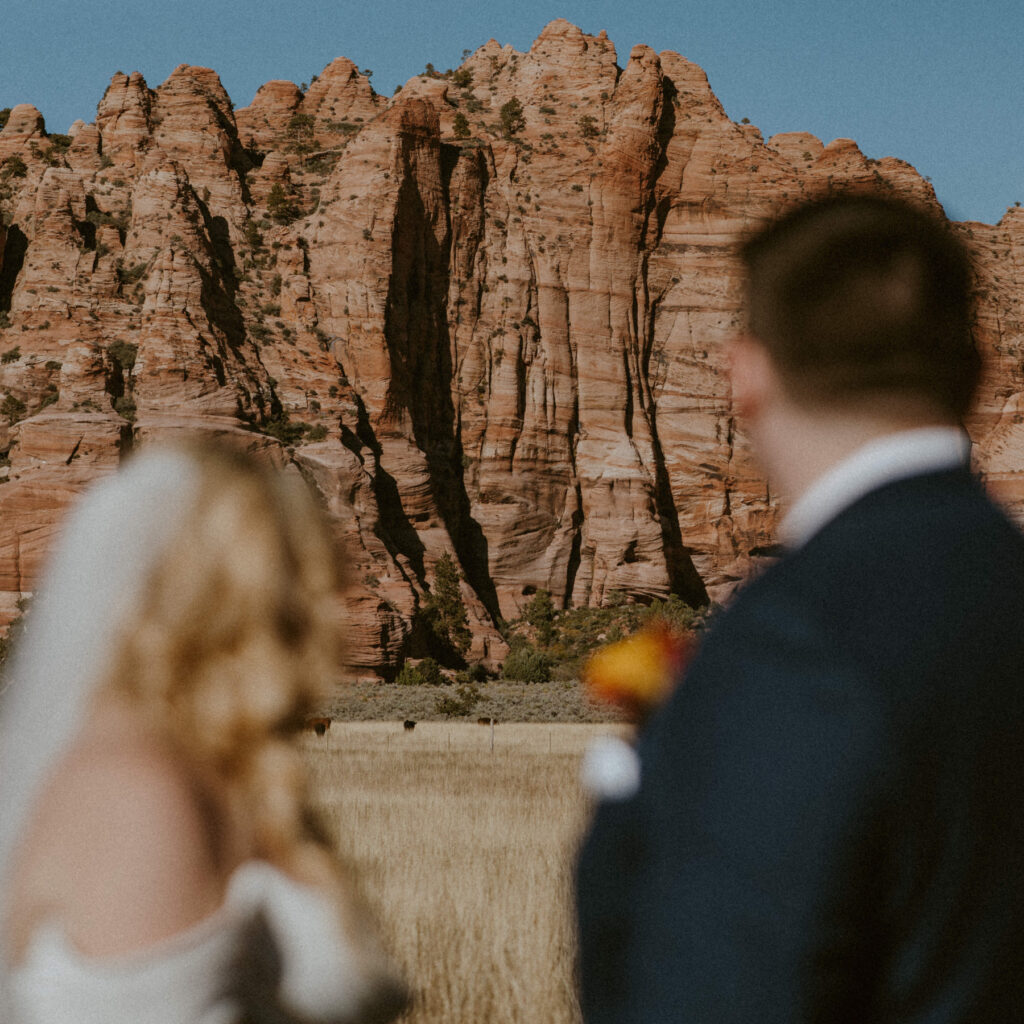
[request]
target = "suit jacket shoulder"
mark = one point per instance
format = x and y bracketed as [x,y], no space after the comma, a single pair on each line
[821,828]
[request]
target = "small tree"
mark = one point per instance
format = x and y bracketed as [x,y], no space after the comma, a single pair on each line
[444,609]
[426,673]
[540,613]
[12,409]
[461,126]
[588,126]
[466,698]
[281,206]
[300,127]
[14,167]
[512,119]
[123,353]
[525,664]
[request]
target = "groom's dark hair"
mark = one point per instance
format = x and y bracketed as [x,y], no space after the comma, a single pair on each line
[862,298]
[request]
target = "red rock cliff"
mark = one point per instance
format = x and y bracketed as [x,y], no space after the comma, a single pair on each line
[485,316]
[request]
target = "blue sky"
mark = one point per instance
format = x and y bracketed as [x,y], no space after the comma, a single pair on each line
[939,83]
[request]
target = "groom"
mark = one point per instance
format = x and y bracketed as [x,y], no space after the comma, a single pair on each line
[829,825]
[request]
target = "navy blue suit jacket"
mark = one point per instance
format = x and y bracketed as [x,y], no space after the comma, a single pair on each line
[830,824]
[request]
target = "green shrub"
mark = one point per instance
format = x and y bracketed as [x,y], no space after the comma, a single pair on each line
[540,613]
[12,355]
[129,275]
[459,704]
[253,238]
[120,219]
[588,126]
[50,397]
[526,664]
[300,128]
[12,409]
[283,429]
[512,120]
[123,353]
[674,612]
[281,206]
[460,127]
[125,406]
[13,167]
[474,673]
[426,673]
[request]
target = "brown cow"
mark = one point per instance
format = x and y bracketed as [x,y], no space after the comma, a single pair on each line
[317,725]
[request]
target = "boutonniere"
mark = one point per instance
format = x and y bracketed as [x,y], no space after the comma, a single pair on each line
[640,672]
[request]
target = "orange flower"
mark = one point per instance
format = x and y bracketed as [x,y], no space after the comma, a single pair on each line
[638,673]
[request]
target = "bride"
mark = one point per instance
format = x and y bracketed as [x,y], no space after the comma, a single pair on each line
[158,861]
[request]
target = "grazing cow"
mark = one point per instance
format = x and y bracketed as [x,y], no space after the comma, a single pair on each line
[317,725]
[485,721]
[408,725]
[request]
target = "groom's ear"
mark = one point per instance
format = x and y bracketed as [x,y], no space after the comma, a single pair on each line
[753,376]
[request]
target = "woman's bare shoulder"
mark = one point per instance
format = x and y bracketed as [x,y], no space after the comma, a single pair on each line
[122,848]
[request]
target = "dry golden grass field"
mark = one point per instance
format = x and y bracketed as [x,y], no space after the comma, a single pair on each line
[466,855]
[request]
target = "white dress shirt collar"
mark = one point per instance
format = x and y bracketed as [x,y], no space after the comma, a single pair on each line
[890,458]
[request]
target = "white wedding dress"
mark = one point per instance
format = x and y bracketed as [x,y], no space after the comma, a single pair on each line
[275,950]
[204,975]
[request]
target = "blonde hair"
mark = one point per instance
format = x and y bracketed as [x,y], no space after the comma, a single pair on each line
[234,641]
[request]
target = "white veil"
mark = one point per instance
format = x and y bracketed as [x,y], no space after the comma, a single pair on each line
[109,546]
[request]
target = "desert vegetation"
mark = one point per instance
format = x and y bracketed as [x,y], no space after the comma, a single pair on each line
[466,855]
[505,700]
[545,645]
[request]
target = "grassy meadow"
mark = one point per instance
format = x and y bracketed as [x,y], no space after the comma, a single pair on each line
[465,853]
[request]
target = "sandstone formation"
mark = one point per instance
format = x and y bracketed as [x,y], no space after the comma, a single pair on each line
[483,316]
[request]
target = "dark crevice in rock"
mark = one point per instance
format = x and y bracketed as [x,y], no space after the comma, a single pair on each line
[627,411]
[74,451]
[419,345]
[219,288]
[393,528]
[10,266]
[684,579]
[575,552]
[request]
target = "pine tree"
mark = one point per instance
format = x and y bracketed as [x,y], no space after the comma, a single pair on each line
[281,206]
[445,609]
[540,613]
[512,119]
